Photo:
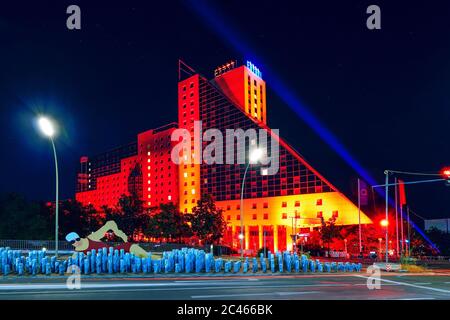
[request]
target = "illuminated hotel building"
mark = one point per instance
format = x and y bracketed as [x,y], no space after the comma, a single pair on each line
[277,206]
[143,167]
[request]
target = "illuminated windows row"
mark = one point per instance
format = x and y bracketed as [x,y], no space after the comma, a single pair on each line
[284,204]
[254,217]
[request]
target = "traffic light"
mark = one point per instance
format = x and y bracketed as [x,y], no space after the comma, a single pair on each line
[445,173]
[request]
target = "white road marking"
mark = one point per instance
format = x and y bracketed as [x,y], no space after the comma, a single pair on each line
[289,293]
[422,283]
[131,285]
[423,298]
[409,285]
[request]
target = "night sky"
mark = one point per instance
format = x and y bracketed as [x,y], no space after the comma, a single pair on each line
[384,94]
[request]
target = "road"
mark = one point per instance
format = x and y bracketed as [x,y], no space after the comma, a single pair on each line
[394,286]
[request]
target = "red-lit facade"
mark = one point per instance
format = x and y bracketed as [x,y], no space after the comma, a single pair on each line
[275,206]
[143,167]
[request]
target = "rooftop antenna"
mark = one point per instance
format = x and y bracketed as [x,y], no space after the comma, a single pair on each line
[185,69]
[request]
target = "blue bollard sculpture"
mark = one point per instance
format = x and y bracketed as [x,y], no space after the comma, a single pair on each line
[218,264]
[297,266]
[255,265]
[245,267]
[272,265]
[312,266]
[6,269]
[110,264]
[305,266]
[236,266]
[86,266]
[20,269]
[48,269]
[62,269]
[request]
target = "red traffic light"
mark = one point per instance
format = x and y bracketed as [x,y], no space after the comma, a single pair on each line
[445,173]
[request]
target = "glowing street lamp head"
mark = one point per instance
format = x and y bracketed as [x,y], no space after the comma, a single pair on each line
[255,155]
[46,126]
[241,236]
[384,223]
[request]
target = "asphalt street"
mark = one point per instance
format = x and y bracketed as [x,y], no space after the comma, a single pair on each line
[394,286]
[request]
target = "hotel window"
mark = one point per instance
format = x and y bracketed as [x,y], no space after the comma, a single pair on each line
[238,207]
[319,214]
[228,217]
[228,207]
[254,216]
[335,214]
[254,206]
[266,216]
[319,202]
[284,204]
[191,85]
[238,217]
[297,203]
[265,205]
[284,215]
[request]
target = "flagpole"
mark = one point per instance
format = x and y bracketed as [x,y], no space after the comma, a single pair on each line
[396,215]
[409,231]
[359,216]
[402,225]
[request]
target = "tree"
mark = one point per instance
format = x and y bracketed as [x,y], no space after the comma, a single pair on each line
[167,222]
[24,219]
[73,216]
[207,221]
[128,214]
[329,231]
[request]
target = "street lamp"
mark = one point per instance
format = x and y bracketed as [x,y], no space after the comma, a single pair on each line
[254,156]
[47,127]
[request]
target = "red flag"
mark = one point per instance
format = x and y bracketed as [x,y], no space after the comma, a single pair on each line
[401,191]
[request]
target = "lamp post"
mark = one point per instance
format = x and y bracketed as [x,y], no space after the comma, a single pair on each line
[47,127]
[255,155]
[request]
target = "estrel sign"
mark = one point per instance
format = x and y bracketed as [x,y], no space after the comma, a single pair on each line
[254,69]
